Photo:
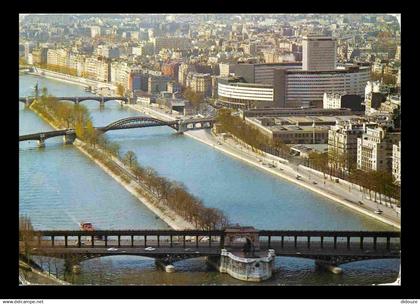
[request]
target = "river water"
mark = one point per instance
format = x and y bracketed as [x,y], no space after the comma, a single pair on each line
[59,187]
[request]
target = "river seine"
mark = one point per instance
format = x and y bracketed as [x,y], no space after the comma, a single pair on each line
[59,187]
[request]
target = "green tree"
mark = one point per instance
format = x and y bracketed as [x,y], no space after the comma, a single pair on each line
[195,98]
[120,90]
[26,236]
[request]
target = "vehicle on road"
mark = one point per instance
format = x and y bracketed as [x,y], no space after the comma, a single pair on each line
[112,249]
[149,248]
[86,226]
[378,211]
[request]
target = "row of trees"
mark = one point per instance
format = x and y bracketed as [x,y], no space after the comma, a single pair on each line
[172,194]
[74,116]
[248,134]
[379,184]
[59,68]
[175,196]
[387,78]
[26,236]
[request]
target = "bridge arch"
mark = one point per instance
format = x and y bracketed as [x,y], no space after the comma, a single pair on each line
[137,122]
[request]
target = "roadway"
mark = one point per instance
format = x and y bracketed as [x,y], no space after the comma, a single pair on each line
[351,195]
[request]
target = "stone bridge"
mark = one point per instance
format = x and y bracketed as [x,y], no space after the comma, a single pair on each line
[78,99]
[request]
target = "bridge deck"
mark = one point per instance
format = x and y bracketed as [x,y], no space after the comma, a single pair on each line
[190,247]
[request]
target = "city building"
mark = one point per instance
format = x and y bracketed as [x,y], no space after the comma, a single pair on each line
[181,43]
[342,140]
[119,74]
[234,92]
[157,84]
[173,87]
[171,70]
[201,83]
[294,87]
[319,53]
[290,134]
[95,31]
[374,149]
[226,69]
[340,100]
[280,112]
[183,71]
[40,56]
[97,69]
[109,52]
[396,162]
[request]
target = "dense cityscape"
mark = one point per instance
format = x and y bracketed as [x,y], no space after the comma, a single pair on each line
[229,145]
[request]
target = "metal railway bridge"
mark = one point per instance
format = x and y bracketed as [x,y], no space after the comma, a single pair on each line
[333,247]
[69,135]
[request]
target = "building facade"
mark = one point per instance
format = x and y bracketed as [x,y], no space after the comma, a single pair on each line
[201,83]
[233,93]
[396,162]
[342,141]
[295,87]
[319,53]
[374,149]
[181,43]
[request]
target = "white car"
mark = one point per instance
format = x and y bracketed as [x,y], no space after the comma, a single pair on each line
[149,248]
[112,249]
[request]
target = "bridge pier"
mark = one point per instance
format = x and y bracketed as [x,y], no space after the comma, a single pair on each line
[329,266]
[182,127]
[41,143]
[165,264]
[69,138]
[246,269]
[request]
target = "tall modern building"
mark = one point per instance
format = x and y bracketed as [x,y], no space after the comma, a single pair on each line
[319,53]
[294,87]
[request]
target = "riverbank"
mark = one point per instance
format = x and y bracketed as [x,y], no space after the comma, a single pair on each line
[30,276]
[285,171]
[70,79]
[173,220]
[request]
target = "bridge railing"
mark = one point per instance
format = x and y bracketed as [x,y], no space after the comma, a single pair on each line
[337,240]
[128,238]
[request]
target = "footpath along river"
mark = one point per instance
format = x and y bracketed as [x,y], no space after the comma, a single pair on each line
[59,186]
